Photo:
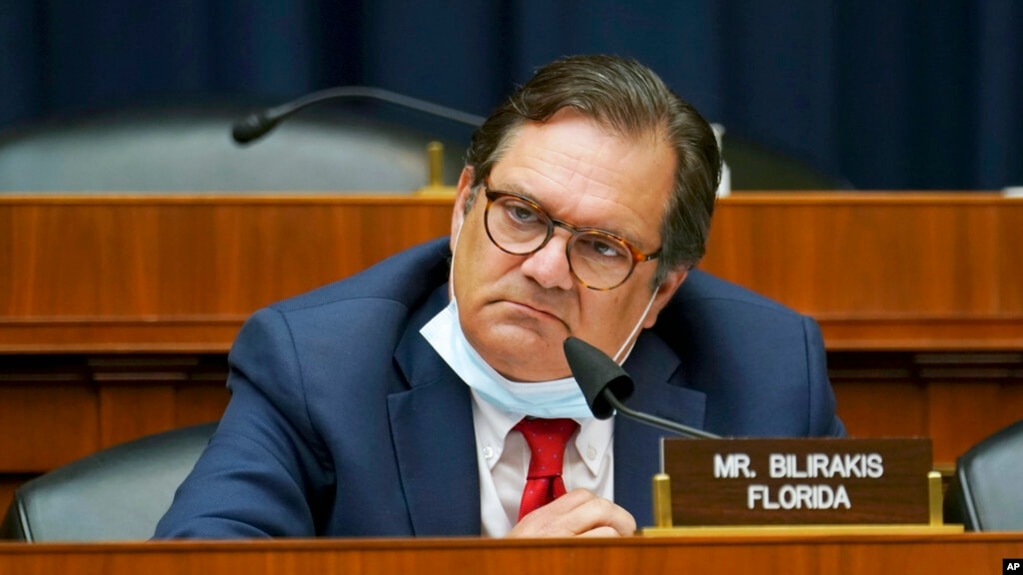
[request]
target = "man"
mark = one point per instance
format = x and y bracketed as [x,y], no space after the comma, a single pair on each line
[398,402]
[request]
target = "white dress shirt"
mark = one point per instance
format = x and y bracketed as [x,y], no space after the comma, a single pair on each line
[503,460]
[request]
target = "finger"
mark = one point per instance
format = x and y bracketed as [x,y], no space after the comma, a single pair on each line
[588,512]
[575,513]
[605,531]
[602,515]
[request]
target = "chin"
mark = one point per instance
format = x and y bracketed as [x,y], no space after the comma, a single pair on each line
[520,360]
[544,374]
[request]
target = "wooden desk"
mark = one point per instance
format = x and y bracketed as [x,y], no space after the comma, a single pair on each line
[116,311]
[967,554]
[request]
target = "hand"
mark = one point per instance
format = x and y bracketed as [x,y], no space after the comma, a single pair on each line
[577,513]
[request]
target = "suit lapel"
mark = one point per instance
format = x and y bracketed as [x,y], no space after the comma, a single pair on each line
[659,380]
[434,438]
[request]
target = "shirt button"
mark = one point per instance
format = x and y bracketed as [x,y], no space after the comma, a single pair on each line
[591,452]
[488,452]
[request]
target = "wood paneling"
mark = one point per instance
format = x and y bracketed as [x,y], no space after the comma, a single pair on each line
[956,399]
[116,312]
[965,554]
[60,408]
[181,273]
[882,271]
[47,421]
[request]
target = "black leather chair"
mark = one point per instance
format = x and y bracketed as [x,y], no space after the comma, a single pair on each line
[117,494]
[986,492]
[187,147]
[756,167]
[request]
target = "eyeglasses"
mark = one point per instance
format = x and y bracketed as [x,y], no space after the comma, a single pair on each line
[598,260]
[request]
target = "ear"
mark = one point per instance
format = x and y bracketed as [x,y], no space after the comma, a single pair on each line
[461,196]
[664,293]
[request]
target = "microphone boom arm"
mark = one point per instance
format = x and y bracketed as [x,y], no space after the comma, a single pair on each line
[605,384]
[662,423]
[255,125]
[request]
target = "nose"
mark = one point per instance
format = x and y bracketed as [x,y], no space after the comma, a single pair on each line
[549,266]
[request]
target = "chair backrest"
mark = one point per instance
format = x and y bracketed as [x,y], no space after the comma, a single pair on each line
[985,494]
[754,166]
[117,494]
[188,148]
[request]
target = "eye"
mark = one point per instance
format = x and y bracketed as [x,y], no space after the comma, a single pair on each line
[598,246]
[521,212]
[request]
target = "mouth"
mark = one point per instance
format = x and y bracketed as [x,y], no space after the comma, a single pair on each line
[536,310]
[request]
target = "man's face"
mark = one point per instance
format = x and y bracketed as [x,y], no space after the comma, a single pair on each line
[517,310]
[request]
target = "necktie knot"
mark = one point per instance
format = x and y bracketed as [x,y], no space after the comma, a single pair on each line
[547,439]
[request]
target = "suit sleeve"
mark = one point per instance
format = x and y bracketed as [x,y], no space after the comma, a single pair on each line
[264,470]
[824,420]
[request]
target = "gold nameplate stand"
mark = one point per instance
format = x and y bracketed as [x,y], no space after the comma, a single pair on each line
[435,187]
[665,527]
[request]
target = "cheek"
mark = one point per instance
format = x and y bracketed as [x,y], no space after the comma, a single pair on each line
[610,316]
[599,317]
[476,265]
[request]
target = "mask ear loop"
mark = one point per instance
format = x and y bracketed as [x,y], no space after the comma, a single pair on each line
[454,250]
[623,353]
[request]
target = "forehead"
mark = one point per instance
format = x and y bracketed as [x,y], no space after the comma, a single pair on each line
[585,173]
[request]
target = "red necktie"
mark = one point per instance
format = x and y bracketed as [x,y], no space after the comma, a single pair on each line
[546,439]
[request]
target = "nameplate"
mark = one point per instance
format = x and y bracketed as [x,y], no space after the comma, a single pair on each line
[797,481]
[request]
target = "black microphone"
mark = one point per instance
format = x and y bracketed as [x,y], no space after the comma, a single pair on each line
[256,125]
[605,385]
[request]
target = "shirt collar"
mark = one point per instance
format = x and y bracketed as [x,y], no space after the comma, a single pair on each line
[592,443]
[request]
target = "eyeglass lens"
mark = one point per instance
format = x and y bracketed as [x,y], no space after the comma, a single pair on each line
[597,259]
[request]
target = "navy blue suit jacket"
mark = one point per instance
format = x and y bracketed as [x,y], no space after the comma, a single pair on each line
[343,421]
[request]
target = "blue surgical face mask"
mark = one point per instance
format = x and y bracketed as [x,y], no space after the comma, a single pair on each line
[547,399]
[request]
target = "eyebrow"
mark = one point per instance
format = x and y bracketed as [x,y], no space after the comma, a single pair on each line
[515,189]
